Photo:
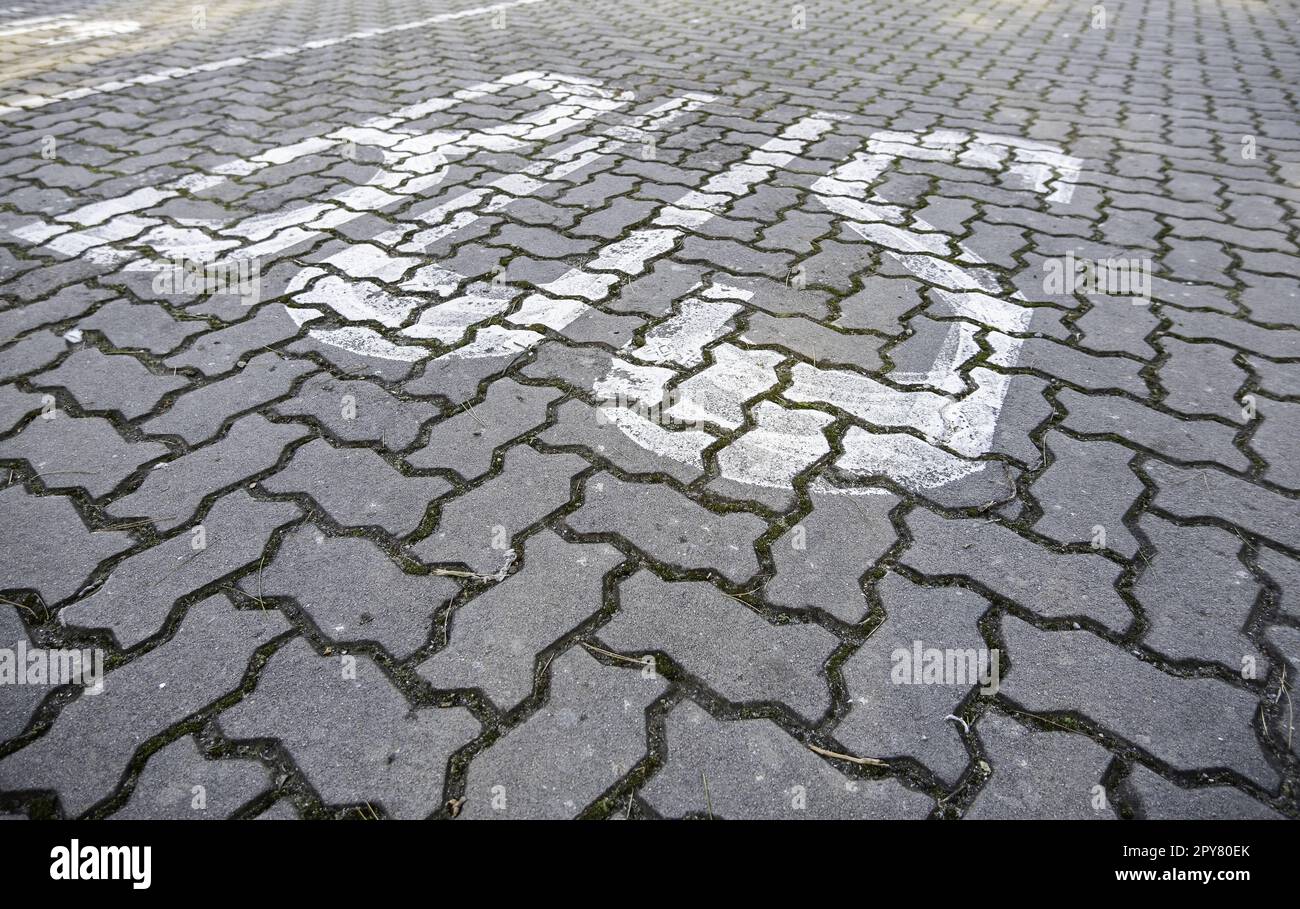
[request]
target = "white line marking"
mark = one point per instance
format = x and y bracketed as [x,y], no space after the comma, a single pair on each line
[32,102]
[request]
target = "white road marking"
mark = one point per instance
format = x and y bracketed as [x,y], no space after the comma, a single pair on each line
[782,444]
[716,393]
[784,441]
[30,102]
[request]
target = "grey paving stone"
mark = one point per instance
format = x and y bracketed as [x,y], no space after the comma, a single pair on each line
[898,706]
[356,487]
[1201,379]
[1189,723]
[30,353]
[880,304]
[654,294]
[495,637]
[595,430]
[579,367]
[656,518]
[78,452]
[84,755]
[595,326]
[17,702]
[179,783]
[1040,774]
[914,357]
[590,732]
[465,441]
[47,546]
[1201,492]
[1278,379]
[134,600]
[141,326]
[810,339]
[112,383]
[353,364]
[477,527]
[1197,595]
[357,410]
[16,404]
[379,601]
[1051,584]
[1063,362]
[1276,440]
[171,493]
[782,299]
[456,378]
[728,646]
[220,351]
[1118,326]
[821,560]
[1088,485]
[1212,326]
[351,733]
[68,303]
[1023,410]
[1285,572]
[754,771]
[1158,799]
[1183,440]
[198,415]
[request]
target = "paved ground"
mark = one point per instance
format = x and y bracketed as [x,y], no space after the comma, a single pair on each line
[649,409]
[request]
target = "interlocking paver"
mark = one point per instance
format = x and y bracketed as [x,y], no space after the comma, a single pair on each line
[464,442]
[68,452]
[1191,723]
[1161,800]
[820,562]
[353,736]
[657,519]
[590,733]
[356,487]
[83,755]
[57,562]
[1051,584]
[477,528]
[141,326]
[1196,594]
[1182,440]
[754,770]
[1039,774]
[1087,486]
[180,784]
[172,491]
[496,637]
[895,709]
[139,592]
[357,410]
[112,383]
[380,602]
[197,416]
[723,641]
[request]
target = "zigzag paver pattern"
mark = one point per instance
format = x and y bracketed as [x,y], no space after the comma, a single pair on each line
[817,245]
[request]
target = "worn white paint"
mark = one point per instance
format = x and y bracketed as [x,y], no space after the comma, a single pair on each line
[28,102]
[717,393]
[682,337]
[51,31]
[925,428]
[783,444]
